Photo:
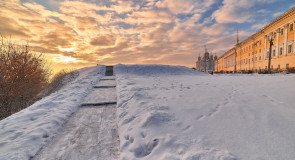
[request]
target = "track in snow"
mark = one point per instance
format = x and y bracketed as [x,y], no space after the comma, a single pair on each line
[92,132]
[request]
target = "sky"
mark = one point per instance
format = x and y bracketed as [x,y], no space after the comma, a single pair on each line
[75,34]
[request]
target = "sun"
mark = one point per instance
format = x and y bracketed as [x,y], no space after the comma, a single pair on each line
[66,49]
[64,59]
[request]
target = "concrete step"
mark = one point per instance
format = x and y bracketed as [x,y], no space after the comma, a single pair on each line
[108,78]
[109,71]
[101,96]
[104,86]
[106,83]
[98,104]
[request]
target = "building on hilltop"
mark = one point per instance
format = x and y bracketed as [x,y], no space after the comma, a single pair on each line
[252,55]
[206,63]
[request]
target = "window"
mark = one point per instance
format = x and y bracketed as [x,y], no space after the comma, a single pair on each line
[282,31]
[260,42]
[274,53]
[287,66]
[256,58]
[289,48]
[271,67]
[259,50]
[259,56]
[291,27]
[279,66]
[281,51]
[275,35]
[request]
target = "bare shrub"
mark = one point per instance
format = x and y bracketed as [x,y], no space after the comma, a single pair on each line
[22,76]
[291,70]
[58,81]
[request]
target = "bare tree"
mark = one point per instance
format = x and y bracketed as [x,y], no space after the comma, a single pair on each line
[22,76]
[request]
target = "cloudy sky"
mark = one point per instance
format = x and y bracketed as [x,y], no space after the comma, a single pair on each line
[83,33]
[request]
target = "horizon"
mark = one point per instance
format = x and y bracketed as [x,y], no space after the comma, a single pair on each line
[76,34]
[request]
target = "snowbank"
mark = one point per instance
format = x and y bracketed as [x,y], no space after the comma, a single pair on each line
[24,133]
[189,117]
[154,70]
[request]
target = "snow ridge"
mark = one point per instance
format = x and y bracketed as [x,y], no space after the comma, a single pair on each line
[24,133]
[149,127]
[155,70]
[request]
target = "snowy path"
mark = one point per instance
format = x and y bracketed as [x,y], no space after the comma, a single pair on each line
[92,132]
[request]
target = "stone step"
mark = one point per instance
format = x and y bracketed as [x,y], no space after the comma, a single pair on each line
[108,78]
[101,95]
[98,104]
[104,86]
[109,71]
[106,83]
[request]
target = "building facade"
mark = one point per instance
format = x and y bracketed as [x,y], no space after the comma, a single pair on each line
[253,53]
[206,63]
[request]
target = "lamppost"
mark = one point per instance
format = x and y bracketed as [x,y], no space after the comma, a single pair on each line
[269,56]
[253,55]
[235,58]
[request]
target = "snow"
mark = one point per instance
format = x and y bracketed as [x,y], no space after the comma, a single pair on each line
[92,131]
[178,113]
[163,112]
[101,95]
[90,134]
[155,70]
[24,133]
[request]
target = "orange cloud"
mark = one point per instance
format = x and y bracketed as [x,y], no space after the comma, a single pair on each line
[81,33]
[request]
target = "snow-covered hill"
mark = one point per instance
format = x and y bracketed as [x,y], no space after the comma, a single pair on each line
[191,117]
[155,70]
[171,113]
[24,133]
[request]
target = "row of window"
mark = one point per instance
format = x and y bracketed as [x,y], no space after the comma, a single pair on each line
[290,48]
[248,60]
[271,67]
[291,28]
[279,67]
[257,43]
[281,31]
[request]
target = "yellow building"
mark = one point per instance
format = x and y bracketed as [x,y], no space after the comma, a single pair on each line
[253,53]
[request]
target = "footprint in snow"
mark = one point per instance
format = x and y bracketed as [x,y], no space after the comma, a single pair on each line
[199,117]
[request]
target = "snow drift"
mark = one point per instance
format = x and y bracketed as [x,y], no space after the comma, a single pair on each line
[24,133]
[154,70]
[172,113]
[186,116]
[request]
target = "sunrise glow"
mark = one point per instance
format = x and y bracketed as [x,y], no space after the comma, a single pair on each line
[64,59]
[84,33]
[66,49]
